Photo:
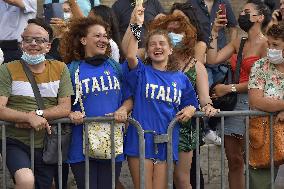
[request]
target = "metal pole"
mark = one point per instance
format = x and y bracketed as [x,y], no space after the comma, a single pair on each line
[59,156]
[4,156]
[222,154]
[170,153]
[112,154]
[197,155]
[87,163]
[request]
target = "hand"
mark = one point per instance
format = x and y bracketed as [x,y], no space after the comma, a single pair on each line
[120,115]
[209,110]
[38,123]
[59,26]
[274,16]
[137,15]
[220,90]
[76,117]
[280,117]
[219,22]
[186,113]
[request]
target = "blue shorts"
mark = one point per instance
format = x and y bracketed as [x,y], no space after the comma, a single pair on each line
[18,156]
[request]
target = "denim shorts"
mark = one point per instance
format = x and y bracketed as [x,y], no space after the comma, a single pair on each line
[18,156]
[235,125]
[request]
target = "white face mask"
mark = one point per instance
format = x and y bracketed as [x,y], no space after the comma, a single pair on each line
[275,56]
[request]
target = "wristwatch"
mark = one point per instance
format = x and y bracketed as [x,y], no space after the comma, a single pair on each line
[233,88]
[39,113]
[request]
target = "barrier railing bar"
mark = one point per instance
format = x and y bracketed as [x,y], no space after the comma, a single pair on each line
[247,153]
[112,155]
[271,151]
[59,157]
[32,148]
[222,154]
[4,156]
[170,152]
[197,154]
[87,162]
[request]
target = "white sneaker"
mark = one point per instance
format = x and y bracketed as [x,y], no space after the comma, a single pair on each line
[212,138]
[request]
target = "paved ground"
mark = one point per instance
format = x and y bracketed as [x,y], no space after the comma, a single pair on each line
[211,171]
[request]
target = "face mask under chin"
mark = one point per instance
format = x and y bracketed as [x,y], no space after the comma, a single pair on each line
[33,59]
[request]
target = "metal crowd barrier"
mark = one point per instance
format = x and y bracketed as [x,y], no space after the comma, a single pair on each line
[222,115]
[161,139]
[65,120]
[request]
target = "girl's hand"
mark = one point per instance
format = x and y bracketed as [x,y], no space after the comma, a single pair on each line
[280,117]
[186,113]
[209,110]
[139,14]
[221,90]
[220,22]
[76,117]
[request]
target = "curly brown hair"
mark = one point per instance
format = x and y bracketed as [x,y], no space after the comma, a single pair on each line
[71,47]
[276,31]
[172,65]
[186,48]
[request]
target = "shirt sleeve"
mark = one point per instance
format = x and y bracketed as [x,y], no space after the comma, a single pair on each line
[232,22]
[30,6]
[188,96]
[65,85]
[257,77]
[5,81]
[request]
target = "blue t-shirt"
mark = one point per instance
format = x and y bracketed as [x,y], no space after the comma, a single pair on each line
[102,94]
[158,96]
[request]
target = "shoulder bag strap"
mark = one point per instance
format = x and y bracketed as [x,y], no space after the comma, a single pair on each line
[239,60]
[92,3]
[29,74]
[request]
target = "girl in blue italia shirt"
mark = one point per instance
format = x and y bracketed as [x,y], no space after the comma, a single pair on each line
[101,94]
[160,94]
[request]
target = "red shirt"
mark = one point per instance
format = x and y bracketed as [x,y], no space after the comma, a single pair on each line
[245,66]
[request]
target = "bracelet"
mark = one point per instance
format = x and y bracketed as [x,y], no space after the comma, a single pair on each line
[211,38]
[209,103]
[136,31]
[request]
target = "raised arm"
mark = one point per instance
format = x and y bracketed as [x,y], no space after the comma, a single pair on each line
[75,9]
[17,3]
[130,42]
[213,55]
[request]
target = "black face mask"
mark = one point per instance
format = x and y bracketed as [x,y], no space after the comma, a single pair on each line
[244,22]
[96,60]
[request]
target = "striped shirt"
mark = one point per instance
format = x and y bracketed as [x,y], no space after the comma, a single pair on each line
[54,82]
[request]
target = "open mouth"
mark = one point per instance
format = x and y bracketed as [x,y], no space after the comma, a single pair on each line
[101,46]
[158,53]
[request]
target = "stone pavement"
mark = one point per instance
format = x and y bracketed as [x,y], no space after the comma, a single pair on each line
[211,171]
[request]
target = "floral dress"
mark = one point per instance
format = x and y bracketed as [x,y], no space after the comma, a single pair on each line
[187,135]
[266,77]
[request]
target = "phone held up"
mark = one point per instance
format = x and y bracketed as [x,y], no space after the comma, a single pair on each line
[222,9]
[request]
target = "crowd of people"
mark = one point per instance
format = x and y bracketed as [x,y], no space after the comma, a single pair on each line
[135,59]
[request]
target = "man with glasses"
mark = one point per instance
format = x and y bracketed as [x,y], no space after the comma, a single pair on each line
[14,15]
[18,105]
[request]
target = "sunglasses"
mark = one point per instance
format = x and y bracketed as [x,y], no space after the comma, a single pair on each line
[38,40]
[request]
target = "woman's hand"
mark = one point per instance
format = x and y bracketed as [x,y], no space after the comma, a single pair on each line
[209,110]
[221,90]
[137,15]
[76,117]
[186,113]
[280,117]
[120,115]
[220,22]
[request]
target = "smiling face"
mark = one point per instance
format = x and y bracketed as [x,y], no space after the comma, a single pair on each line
[96,41]
[159,48]
[35,40]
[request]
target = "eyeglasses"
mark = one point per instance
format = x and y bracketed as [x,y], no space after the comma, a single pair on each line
[38,40]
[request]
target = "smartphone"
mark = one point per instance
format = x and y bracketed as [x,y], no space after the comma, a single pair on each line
[222,7]
[53,10]
[279,17]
